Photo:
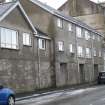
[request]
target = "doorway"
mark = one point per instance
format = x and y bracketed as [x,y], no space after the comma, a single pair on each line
[95,71]
[82,73]
[64,74]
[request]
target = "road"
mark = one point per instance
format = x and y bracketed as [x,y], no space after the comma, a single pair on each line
[88,96]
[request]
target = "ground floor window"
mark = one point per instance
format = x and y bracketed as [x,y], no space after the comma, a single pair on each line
[26,39]
[9,38]
[42,44]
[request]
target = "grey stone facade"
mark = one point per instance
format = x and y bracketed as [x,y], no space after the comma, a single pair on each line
[29,67]
[66,63]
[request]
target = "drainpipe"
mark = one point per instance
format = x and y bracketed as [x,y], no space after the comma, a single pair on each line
[38,56]
[76,55]
[92,54]
[38,60]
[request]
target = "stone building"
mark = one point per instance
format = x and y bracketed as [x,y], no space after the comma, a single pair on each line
[87,11]
[51,49]
[23,49]
[77,58]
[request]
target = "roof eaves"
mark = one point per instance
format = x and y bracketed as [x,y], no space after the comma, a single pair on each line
[8,11]
[21,8]
[43,37]
[2,4]
[77,22]
[71,19]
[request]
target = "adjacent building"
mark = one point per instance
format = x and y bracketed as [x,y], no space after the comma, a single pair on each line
[42,48]
[87,11]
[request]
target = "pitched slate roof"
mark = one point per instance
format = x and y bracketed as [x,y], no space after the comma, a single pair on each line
[6,8]
[62,16]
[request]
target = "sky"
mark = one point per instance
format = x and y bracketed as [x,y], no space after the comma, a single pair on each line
[57,3]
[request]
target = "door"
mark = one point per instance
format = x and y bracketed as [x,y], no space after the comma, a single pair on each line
[64,76]
[95,71]
[82,73]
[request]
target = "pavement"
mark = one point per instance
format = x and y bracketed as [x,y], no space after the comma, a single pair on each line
[38,93]
[94,95]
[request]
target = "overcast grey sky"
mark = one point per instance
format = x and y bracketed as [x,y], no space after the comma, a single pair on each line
[58,3]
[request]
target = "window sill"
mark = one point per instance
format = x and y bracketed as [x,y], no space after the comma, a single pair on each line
[42,49]
[9,49]
[60,51]
[70,31]
[27,45]
[60,27]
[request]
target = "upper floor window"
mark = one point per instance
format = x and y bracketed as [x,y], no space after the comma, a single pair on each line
[100,53]
[93,36]
[87,35]
[42,44]
[88,53]
[26,39]
[69,26]
[59,22]
[98,38]
[8,0]
[9,38]
[80,51]
[71,48]
[94,52]
[78,31]
[61,46]
[104,55]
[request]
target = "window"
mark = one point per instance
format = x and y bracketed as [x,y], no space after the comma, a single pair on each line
[8,0]
[80,51]
[70,26]
[61,46]
[26,39]
[88,53]
[87,35]
[78,32]
[59,23]
[9,38]
[100,54]
[94,52]
[104,55]
[42,44]
[98,38]
[93,36]
[71,48]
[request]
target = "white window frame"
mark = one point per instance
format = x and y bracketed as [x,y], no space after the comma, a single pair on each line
[104,55]
[100,53]
[88,53]
[26,39]
[59,22]
[94,36]
[8,0]
[87,35]
[61,46]
[42,43]
[79,32]
[69,26]
[94,52]
[8,40]
[98,38]
[80,51]
[71,48]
